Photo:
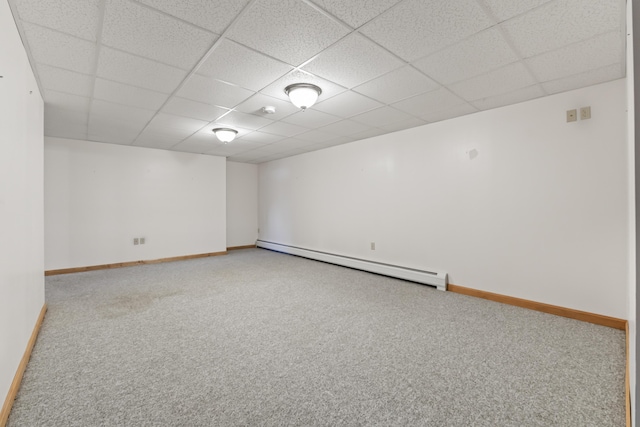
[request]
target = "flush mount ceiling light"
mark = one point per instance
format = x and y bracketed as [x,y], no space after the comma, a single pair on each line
[225,134]
[303,95]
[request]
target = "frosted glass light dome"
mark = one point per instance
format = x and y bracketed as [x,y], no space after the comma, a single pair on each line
[225,134]
[303,95]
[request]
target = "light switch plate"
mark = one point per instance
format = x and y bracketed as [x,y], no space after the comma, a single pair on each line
[572,115]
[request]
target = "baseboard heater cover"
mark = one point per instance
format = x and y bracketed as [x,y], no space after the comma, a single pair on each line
[432,278]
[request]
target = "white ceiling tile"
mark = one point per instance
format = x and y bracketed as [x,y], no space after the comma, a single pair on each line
[213,15]
[506,79]
[289,30]
[197,110]
[65,81]
[562,22]
[255,104]
[345,128]
[199,147]
[316,136]
[176,125]
[246,121]
[370,133]
[76,17]
[590,54]
[60,50]
[133,96]
[416,28]
[604,74]
[353,61]
[347,104]
[153,140]
[117,113]
[134,70]
[504,10]
[276,89]
[60,118]
[478,54]
[68,132]
[148,33]
[286,145]
[242,158]
[340,140]
[381,116]
[397,85]
[405,124]
[236,64]
[284,129]
[261,138]
[311,118]
[120,138]
[210,145]
[429,102]
[519,95]
[66,101]
[214,92]
[355,12]
[449,113]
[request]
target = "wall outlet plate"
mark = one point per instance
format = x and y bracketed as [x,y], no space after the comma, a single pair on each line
[572,115]
[585,113]
[142,240]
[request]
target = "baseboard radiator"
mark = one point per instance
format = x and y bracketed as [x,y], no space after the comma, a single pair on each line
[432,278]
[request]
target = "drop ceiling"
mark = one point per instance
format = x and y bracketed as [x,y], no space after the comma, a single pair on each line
[163,73]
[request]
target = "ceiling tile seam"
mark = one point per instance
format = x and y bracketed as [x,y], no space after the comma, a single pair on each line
[595,36]
[255,51]
[144,57]
[508,40]
[123,84]
[584,72]
[59,31]
[168,15]
[202,60]
[328,14]
[405,62]
[88,98]
[94,67]
[193,118]
[516,51]
[533,9]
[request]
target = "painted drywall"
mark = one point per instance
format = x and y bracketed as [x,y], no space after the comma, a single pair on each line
[514,200]
[21,218]
[99,197]
[242,204]
[633,19]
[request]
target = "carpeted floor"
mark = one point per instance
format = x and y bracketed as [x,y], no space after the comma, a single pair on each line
[261,338]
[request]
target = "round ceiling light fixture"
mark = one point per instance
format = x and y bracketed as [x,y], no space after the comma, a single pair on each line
[303,95]
[225,134]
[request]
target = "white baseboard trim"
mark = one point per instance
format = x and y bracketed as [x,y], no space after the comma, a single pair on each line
[432,278]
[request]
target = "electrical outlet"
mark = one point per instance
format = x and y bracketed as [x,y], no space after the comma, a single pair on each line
[142,240]
[572,115]
[373,246]
[585,113]
[135,241]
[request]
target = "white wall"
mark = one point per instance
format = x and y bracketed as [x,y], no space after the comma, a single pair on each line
[631,124]
[98,197]
[242,204]
[21,222]
[512,200]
